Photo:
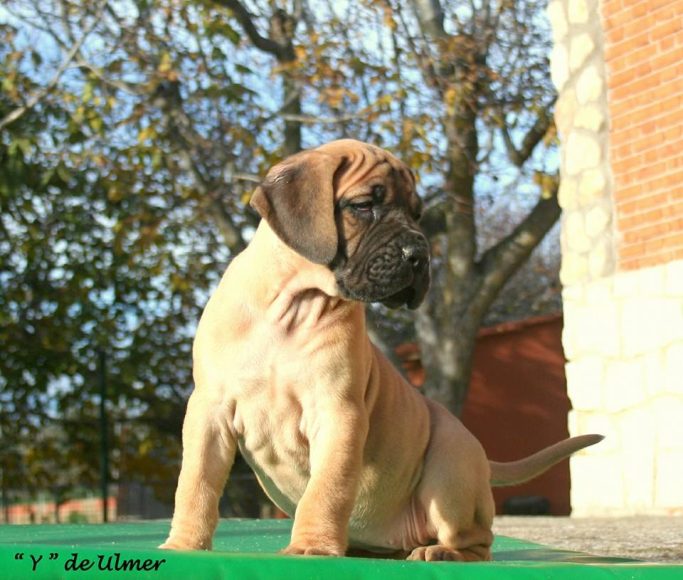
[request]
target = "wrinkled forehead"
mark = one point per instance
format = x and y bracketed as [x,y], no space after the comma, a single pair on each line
[363,160]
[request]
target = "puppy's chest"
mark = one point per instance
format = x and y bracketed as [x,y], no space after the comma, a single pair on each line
[276,383]
[273,437]
[271,409]
[271,430]
[276,390]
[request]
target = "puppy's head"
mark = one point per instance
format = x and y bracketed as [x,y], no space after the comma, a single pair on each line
[353,208]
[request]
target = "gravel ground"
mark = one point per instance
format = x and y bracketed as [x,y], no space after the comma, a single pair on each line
[655,539]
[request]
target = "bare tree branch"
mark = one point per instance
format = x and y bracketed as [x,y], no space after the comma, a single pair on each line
[231,234]
[431,16]
[229,231]
[39,95]
[280,45]
[433,221]
[181,132]
[501,261]
[245,18]
[313,120]
[540,128]
[239,176]
[425,62]
[126,87]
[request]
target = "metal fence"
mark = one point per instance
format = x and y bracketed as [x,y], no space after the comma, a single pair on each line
[126,501]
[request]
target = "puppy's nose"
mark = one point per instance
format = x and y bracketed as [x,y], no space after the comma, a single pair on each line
[415,253]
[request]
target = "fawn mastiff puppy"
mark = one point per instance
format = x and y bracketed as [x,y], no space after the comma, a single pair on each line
[284,371]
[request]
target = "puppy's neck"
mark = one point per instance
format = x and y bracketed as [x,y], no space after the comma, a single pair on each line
[293,290]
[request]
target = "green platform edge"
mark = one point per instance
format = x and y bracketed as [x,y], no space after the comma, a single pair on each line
[248,549]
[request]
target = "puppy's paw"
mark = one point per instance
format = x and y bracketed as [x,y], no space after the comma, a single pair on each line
[180,545]
[170,545]
[436,553]
[313,550]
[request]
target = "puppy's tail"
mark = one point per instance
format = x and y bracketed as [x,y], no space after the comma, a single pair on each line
[515,472]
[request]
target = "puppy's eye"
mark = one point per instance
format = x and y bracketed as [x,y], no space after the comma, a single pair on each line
[378,191]
[362,206]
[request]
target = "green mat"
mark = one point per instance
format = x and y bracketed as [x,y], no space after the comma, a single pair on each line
[248,549]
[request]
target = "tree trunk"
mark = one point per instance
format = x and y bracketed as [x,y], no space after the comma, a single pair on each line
[446,335]
[447,327]
[292,107]
[280,44]
[447,324]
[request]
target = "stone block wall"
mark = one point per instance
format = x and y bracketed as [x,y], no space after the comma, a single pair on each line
[622,266]
[623,338]
[581,116]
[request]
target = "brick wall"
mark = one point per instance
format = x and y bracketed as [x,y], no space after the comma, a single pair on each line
[644,58]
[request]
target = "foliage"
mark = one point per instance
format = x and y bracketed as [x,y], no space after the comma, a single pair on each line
[131,135]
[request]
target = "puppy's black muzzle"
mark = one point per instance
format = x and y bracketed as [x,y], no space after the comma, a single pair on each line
[391,267]
[415,257]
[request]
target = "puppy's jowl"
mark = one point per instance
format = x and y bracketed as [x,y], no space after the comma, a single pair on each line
[284,371]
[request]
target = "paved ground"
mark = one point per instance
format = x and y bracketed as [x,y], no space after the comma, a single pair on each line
[657,539]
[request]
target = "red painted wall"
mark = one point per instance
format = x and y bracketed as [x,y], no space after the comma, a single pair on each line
[518,402]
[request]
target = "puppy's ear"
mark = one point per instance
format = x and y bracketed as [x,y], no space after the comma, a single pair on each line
[297,201]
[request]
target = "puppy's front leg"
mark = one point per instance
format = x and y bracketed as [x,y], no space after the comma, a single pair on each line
[208,455]
[322,517]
